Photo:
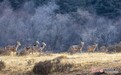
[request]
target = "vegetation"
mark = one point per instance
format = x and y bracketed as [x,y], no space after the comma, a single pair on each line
[2,65]
[56,63]
[61,24]
[51,66]
[107,8]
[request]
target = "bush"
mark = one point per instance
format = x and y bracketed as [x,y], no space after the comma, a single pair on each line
[118,48]
[111,48]
[5,52]
[114,48]
[43,68]
[51,66]
[103,49]
[22,53]
[2,65]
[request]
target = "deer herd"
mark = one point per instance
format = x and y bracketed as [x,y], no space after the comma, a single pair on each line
[38,48]
[79,48]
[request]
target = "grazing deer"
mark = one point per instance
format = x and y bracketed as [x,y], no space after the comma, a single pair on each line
[13,48]
[34,48]
[76,48]
[92,48]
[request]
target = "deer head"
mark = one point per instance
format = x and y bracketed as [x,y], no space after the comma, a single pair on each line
[37,42]
[18,43]
[96,44]
[43,44]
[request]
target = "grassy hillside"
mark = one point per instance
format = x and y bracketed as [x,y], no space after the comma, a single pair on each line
[82,63]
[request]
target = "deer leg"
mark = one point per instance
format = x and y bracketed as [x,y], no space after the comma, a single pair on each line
[32,52]
[12,53]
[81,51]
[40,51]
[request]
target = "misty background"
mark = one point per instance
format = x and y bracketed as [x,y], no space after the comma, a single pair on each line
[60,23]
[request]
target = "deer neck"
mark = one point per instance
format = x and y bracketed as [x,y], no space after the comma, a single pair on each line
[16,47]
[43,46]
[36,45]
[81,45]
[95,47]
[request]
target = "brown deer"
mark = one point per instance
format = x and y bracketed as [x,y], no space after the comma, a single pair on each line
[29,49]
[32,49]
[92,48]
[13,48]
[76,48]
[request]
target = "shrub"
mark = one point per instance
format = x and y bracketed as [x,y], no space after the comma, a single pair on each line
[118,48]
[2,65]
[43,68]
[103,49]
[22,53]
[5,52]
[111,48]
[51,66]
[114,48]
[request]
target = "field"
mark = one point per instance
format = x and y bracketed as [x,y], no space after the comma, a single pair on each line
[82,63]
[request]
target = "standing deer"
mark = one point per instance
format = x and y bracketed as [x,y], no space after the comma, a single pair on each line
[76,48]
[13,48]
[35,47]
[92,48]
[42,47]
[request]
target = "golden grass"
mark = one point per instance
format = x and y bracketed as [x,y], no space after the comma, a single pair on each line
[82,62]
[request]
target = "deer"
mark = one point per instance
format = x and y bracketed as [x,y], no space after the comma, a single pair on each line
[32,49]
[76,48]
[29,49]
[35,47]
[92,48]
[43,45]
[13,48]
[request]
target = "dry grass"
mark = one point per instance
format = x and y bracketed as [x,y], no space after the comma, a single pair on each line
[81,63]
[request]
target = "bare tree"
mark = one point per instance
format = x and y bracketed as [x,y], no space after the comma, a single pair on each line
[76,48]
